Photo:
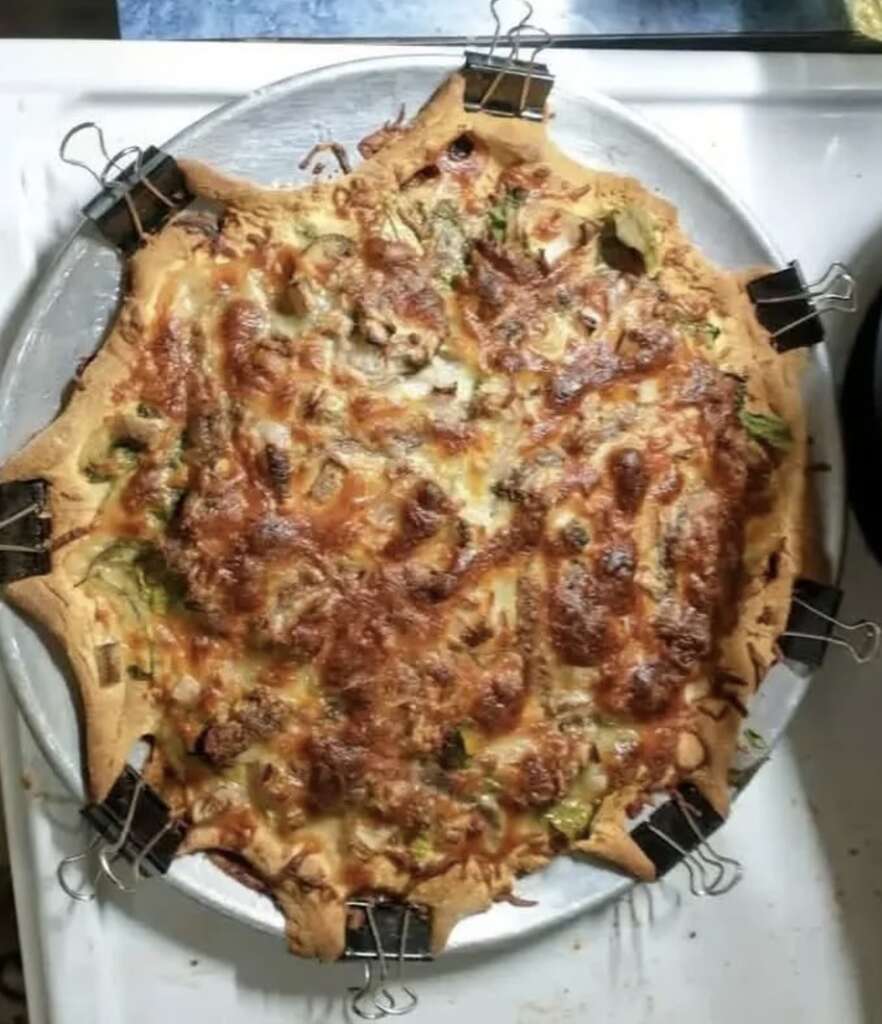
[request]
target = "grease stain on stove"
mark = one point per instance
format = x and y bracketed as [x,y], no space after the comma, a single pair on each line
[554,1011]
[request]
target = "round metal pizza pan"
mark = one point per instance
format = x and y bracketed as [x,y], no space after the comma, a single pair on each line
[262,137]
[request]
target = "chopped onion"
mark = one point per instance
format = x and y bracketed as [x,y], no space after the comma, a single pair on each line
[186,690]
[274,433]
[690,753]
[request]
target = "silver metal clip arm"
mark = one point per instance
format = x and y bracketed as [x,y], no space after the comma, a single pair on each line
[528,13]
[515,36]
[710,872]
[508,86]
[9,520]
[835,289]
[863,647]
[106,854]
[113,165]
[373,1000]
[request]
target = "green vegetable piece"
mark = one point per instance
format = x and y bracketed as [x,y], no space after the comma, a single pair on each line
[160,586]
[497,218]
[712,332]
[702,331]
[570,817]
[139,566]
[502,213]
[120,552]
[767,428]
[706,332]
[755,741]
[421,849]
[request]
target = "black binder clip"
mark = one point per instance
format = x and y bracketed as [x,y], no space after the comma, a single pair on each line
[25,528]
[508,86]
[811,623]
[133,823]
[378,931]
[135,200]
[790,310]
[677,832]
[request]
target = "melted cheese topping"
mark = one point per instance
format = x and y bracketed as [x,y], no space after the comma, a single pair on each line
[424,518]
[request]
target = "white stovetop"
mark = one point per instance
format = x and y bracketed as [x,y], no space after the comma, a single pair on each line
[799,139]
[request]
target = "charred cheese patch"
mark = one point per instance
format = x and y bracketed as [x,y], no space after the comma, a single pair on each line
[424,523]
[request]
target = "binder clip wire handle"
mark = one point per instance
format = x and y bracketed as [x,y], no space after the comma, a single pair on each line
[528,13]
[121,835]
[111,163]
[790,309]
[106,853]
[85,891]
[836,288]
[34,508]
[374,998]
[711,873]
[863,646]
[114,177]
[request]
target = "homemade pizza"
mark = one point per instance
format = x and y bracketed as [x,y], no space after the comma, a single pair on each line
[428,519]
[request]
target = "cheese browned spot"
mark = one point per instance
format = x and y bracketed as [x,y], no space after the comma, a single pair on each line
[419,514]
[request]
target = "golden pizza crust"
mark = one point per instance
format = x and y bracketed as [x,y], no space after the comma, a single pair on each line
[610,841]
[115,716]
